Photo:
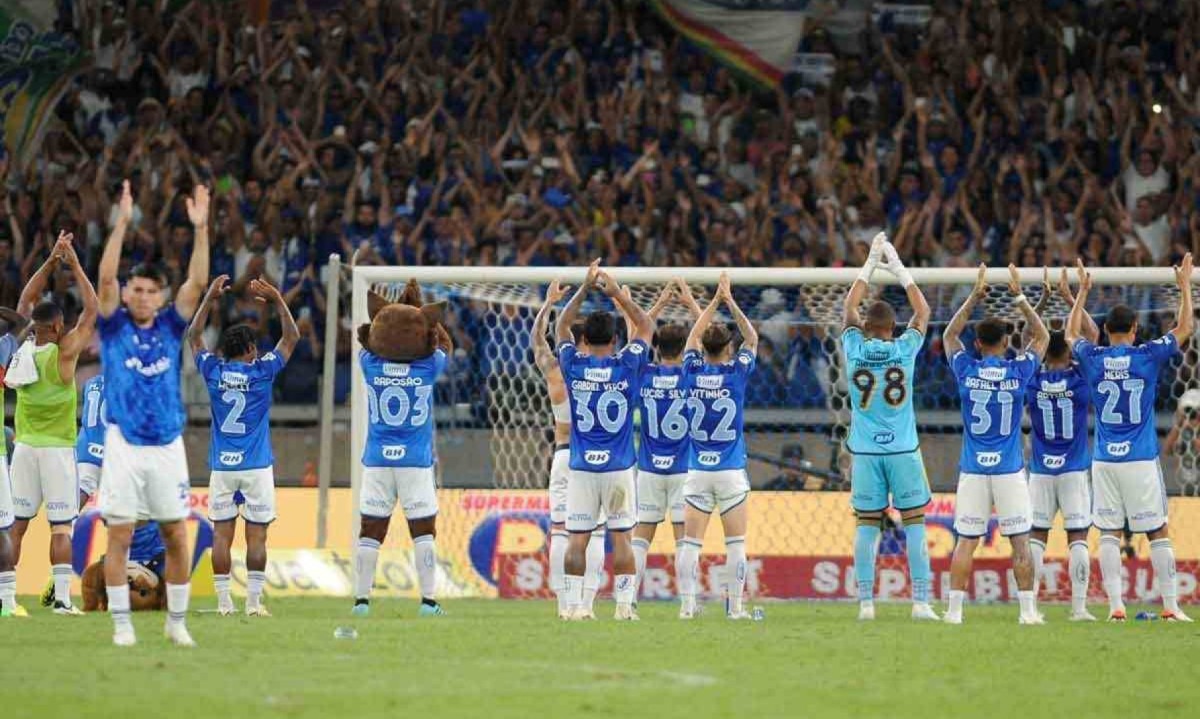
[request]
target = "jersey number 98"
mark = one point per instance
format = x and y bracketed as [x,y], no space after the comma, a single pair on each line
[894,390]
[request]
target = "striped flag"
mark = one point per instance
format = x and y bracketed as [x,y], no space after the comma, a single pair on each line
[758,40]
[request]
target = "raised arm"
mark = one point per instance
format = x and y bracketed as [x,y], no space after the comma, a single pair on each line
[290,332]
[663,300]
[916,298]
[643,326]
[703,322]
[39,279]
[110,261]
[195,330]
[858,290]
[562,330]
[72,344]
[630,329]
[749,334]
[1088,329]
[1184,321]
[1075,320]
[1039,338]
[197,276]
[543,356]
[952,337]
[687,298]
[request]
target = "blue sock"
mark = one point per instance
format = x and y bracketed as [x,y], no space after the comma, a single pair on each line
[918,560]
[866,538]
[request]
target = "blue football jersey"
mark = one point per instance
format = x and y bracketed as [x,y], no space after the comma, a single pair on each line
[603,392]
[664,430]
[146,544]
[991,392]
[1124,381]
[716,409]
[882,419]
[141,376]
[89,444]
[400,409]
[240,402]
[1058,402]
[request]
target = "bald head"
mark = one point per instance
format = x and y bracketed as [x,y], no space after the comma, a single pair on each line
[880,320]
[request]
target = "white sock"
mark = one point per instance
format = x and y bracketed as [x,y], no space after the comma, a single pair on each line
[573,588]
[118,606]
[687,569]
[221,582]
[425,557]
[1110,571]
[8,589]
[254,588]
[1162,557]
[625,589]
[365,558]
[593,572]
[1038,549]
[177,602]
[1080,567]
[641,548]
[735,571]
[62,573]
[1028,602]
[956,602]
[558,557]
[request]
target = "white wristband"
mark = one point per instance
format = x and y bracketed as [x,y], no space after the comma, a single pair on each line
[905,277]
[1021,298]
[867,270]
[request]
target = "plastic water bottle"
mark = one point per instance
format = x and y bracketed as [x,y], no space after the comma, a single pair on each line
[1146,616]
[757,614]
[345,633]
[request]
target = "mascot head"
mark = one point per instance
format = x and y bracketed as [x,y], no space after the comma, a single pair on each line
[403,331]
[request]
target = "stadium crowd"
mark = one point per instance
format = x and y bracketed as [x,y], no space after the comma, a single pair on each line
[486,132]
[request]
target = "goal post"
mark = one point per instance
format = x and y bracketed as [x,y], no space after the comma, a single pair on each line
[495,428]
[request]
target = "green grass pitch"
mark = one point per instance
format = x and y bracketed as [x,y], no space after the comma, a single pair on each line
[514,659]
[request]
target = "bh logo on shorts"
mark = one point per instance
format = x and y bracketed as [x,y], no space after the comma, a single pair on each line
[596,456]
[1054,461]
[663,461]
[1118,449]
[96,450]
[232,457]
[394,451]
[987,459]
[708,459]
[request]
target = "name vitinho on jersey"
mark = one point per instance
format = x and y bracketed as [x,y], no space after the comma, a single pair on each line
[157,367]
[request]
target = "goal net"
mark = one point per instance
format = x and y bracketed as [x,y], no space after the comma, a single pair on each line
[495,428]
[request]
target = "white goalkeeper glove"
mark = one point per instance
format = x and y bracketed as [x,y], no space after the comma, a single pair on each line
[893,264]
[874,257]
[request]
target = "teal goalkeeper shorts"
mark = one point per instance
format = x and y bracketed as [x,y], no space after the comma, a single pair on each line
[874,476]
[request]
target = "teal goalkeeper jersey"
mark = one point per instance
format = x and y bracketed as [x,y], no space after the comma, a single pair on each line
[882,420]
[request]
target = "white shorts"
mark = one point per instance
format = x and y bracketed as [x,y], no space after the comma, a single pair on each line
[1068,493]
[596,497]
[45,474]
[1129,493]
[978,493]
[414,488]
[257,487]
[6,506]
[89,478]
[721,490]
[559,471]
[143,481]
[659,494]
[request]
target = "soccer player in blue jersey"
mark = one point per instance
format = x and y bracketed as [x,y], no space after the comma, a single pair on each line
[398,461]
[1127,480]
[240,385]
[1058,401]
[145,473]
[992,390]
[89,445]
[14,331]
[663,449]
[888,467]
[602,383]
[715,379]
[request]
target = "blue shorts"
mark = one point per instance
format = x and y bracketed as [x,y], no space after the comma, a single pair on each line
[874,476]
